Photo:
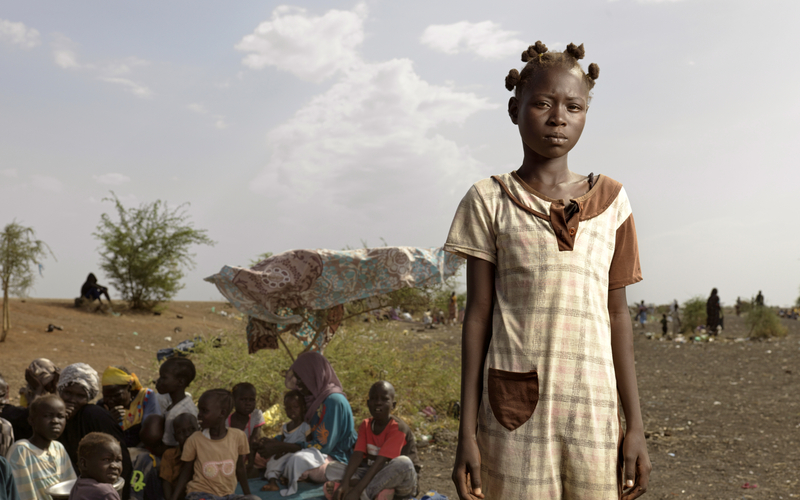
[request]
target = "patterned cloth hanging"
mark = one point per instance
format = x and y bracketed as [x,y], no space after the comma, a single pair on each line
[303,292]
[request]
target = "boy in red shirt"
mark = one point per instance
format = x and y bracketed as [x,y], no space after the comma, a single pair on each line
[383,465]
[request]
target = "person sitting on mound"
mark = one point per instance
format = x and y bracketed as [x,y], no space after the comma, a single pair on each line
[92,291]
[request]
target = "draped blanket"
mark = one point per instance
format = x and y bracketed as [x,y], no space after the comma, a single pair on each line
[304,291]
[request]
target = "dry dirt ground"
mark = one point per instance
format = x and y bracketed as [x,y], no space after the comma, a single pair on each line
[718,415]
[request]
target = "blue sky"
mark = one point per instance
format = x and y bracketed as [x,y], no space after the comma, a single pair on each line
[322,124]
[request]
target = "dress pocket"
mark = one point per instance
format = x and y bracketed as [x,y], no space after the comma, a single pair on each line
[513,396]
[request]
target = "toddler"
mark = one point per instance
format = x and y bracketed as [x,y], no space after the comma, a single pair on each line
[184,425]
[41,461]
[100,463]
[213,460]
[294,431]
[383,465]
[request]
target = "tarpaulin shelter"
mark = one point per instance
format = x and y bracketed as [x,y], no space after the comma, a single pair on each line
[303,292]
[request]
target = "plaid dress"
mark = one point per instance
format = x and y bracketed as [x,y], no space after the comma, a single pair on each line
[548,423]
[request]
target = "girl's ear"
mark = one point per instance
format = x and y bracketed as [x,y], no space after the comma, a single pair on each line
[513,109]
[81,464]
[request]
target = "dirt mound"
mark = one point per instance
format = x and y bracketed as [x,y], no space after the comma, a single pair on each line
[127,338]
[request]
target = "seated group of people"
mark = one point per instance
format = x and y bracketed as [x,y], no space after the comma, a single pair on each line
[167,447]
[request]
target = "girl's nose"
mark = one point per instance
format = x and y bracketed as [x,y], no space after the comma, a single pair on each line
[557,116]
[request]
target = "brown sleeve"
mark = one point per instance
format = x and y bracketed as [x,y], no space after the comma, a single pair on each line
[625,269]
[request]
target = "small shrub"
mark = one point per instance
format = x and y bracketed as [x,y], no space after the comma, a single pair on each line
[694,313]
[764,323]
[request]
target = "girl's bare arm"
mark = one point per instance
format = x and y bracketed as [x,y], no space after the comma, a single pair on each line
[634,448]
[475,335]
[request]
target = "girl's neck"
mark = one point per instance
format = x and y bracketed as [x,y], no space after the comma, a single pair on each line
[218,431]
[295,423]
[40,442]
[536,169]
[176,397]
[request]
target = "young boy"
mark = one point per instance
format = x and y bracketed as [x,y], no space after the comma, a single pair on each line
[100,462]
[41,461]
[212,457]
[174,376]
[294,431]
[185,425]
[383,465]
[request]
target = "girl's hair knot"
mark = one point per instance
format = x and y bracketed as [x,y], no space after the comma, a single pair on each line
[512,79]
[576,51]
[533,51]
[594,71]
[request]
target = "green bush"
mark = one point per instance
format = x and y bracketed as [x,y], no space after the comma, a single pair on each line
[694,313]
[423,373]
[764,323]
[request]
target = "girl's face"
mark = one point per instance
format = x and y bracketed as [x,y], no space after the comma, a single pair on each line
[295,409]
[245,402]
[551,113]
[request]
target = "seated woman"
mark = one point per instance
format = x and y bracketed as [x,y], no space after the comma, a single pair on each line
[333,434]
[78,385]
[128,402]
[92,291]
[41,377]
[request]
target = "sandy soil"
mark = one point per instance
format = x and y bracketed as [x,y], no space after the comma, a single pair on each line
[718,415]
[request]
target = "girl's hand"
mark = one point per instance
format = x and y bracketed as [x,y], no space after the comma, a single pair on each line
[467,470]
[637,465]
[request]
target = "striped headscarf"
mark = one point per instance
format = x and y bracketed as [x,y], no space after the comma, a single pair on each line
[83,375]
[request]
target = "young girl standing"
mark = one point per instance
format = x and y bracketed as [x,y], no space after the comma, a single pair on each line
[547,350]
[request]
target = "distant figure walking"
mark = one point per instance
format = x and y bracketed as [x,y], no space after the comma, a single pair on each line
[642,314]
[452,309]
[674,311]
[712,312]
[738,306]
[759,299]
[92,291]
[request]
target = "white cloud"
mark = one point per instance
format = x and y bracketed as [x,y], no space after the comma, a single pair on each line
[221,123]
[360,147]
[197,108]
[47,183]
[112,179]
[64,53]
[485,39]
[18,34]
[9,172]
[134,88]
[311,48]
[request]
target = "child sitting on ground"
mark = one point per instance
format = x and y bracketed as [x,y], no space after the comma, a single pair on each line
[294,431]
[174,375]
[213,460]
[184,425]
[383,465]
[100,463]
[248,418]
[41,461]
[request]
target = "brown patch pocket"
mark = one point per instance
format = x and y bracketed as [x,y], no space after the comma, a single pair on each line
[513,396]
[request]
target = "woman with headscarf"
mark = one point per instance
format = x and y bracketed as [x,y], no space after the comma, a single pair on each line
[41,377]
[712,312]
[92,290]
[78,385]
[329,414]
[128,402]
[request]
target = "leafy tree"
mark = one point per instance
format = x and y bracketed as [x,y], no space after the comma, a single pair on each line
[19,251]
[144,254]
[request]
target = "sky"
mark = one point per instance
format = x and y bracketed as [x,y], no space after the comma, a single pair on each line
[339,123]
